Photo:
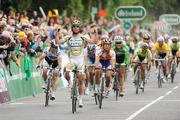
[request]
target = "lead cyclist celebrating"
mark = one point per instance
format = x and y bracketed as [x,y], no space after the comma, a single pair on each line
[76,44]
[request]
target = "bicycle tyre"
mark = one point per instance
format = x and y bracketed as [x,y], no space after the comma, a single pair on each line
[116,87]
[159,77]
[74,96]
[47,91]
[101,93]
[137,81]
[96,98]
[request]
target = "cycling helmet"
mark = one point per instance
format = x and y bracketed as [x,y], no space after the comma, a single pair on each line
[146,35]
[166,36]
[144,46]
[160,39]
[118,39]
[174,39]
[76,22]
[105,39]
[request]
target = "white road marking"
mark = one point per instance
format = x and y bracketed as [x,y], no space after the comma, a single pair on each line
[18,103]
[175,87]
[169,92]
[143,108]
[151,103]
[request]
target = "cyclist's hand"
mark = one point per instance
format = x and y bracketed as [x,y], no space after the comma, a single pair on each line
[37,67]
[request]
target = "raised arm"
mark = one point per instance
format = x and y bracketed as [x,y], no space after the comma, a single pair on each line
[92,40]
[59,41]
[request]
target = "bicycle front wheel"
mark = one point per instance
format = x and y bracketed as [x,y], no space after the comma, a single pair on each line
[74,96]
[101,93]
[47,92]
[137,76]
[159,78]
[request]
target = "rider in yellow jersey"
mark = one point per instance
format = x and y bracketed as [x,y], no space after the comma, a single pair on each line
[161,50]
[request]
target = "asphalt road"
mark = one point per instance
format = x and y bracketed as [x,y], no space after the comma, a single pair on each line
[153,104]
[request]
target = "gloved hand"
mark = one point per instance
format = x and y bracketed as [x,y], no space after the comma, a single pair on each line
[37,66]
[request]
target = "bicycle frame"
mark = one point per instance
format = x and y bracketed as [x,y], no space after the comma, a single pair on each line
[49,80]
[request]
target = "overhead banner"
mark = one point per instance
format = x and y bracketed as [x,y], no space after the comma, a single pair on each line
[4,94]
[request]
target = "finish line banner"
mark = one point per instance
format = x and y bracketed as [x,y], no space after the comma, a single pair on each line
[4,94]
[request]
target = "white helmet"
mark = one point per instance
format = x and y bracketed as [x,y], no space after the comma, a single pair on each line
[105,39]
[160,39]
[118,38]
[146,35]
[166,36]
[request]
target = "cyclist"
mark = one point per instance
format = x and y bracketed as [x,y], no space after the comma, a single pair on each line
[105,57]
[51,56]
[76,44]
[143,55]
[90,55]
[161,50]
[146,38]
[122,56]
[174,50]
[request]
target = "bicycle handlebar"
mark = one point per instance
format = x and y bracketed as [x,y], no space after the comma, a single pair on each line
[49,68]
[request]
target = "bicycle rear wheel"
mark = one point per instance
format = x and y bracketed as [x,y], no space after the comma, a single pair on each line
[74,96]
[47,92]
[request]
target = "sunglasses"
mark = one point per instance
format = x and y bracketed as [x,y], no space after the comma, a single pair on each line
[75,26]
[174,41]
[146,38]
[118,42]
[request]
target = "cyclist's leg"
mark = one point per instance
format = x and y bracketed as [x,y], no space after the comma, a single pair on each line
[80,77]
[122,72]
[67,70]
[143,67]
[91,77]
[108,77]
[44,74]
[98,74]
